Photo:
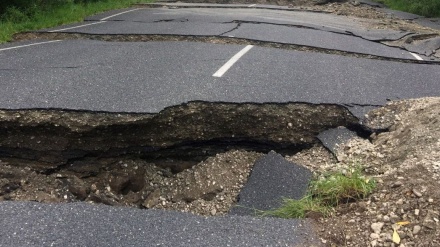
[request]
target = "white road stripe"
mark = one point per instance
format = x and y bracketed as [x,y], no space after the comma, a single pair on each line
[100,21]
[108,17]
[252,5]
[416,56]
[231,61]
[68,28]
[20,46]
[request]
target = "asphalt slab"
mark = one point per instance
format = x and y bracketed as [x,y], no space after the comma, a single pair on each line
[82,224]
[148,77]
[272,179]
[310,29]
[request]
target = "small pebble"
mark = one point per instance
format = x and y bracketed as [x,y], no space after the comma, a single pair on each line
[374,235]
[416,211]
[213,212]
[417,193]
[416,229]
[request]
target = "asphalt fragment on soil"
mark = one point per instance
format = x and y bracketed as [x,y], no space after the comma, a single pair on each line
[272,179]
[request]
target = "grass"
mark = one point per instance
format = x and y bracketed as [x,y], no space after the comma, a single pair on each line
[298,208]
[326,193]
[15,20]
[428,8]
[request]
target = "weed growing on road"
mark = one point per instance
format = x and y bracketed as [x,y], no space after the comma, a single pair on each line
[31,16]
[325,193]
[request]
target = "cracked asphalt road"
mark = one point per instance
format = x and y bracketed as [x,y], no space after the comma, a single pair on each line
[310,29]
[150,76]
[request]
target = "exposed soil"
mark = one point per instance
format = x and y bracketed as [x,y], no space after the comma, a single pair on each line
[209,188]
[190,157]
[406,163]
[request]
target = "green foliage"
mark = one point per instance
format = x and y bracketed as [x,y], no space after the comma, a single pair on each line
[337,187]
[326,193]
[428,8]
[24,15]
[298,208]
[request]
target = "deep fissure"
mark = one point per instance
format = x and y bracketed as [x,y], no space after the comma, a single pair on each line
[152,160]
[206,39]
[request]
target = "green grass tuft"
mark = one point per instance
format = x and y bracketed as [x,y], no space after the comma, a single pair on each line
[326,193]
[298,208]
[337,187]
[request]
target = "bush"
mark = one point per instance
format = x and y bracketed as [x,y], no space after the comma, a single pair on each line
[28,8]
[428,8]
[24,15]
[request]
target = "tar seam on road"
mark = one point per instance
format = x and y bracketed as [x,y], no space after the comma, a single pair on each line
[40,43]
[231,61]
[416,56]
[108,17]
[68,28]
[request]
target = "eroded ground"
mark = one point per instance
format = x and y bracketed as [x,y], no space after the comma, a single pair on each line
[405,161]
[193,157]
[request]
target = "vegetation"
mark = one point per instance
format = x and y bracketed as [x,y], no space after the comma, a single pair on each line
[428,8]
[24,15]
[326,193]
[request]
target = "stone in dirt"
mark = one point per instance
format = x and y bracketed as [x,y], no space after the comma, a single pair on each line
[272,179]
[77,188]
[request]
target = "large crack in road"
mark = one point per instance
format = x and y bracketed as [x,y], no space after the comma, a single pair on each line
[206,39]
[191,157]
[56,136]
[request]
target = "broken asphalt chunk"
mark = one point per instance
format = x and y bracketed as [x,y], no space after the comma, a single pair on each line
[272,179]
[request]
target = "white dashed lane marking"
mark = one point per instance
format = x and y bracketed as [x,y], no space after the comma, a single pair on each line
[21,46]
[103,20]
[232,61]
[108,17]
[416,56]
[68,28]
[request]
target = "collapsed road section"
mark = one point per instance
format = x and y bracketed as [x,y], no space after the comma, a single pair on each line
[187,155]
